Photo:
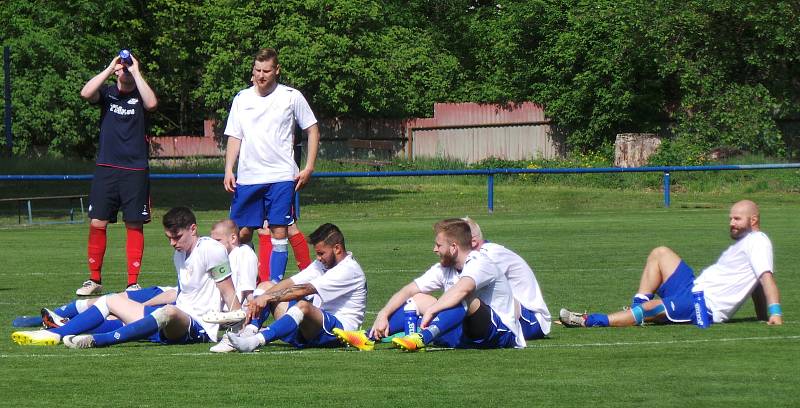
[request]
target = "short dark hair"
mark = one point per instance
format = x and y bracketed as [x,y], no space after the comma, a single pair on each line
[178,218]
[266,54]
[455,230]
[327,233]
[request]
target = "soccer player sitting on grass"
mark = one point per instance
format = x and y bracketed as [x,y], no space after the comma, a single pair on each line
[339,289]
[476,309]
[529,302]
[203,278]
[745,268]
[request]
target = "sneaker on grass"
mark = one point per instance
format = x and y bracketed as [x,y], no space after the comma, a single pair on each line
[571,319]
[411,342]
[80,341]
[89,288]
[354,338]
[51,319]
[35,338]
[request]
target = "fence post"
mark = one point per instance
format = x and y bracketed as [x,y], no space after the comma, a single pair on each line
[7,93]
[666,189]
[490,198]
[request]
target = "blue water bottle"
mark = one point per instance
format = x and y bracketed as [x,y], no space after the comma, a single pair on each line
[701,316]
[410,312]
[125,57]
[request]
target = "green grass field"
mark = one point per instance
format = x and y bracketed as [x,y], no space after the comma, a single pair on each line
[586,245]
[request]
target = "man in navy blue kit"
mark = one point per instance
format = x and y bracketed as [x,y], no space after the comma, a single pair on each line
[121,177]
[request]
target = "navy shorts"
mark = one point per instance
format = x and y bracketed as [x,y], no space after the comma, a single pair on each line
[325,338]
[252,204]
[115,189]
[195,334]
[498,336]
[531,328]
[676,294]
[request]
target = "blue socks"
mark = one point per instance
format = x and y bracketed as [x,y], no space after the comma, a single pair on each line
[397,321]
[596,320]
[445,321]
[640,298]
[82,323]
[278,259]
[282,327]
[140,329]
[69,310]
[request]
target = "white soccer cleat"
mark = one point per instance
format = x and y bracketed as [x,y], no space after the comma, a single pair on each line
[235,316]
[89,288]
[245,344]
[36,338]
[571,319]
[133,288]
[224,345]
[80,341]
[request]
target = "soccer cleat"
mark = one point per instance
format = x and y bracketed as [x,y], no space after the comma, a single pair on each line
[354,338]
[224,345]
[235,316]
[89,288]
[245,344]
[51,319]
[80,341]
[36,338]
[411,342]
[571,319]
[133,287]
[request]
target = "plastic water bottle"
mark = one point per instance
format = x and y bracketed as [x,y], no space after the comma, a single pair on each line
[410,312]
[125,57]
[701,317]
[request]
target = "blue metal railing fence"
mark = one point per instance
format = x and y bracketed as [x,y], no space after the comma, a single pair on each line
[490,173]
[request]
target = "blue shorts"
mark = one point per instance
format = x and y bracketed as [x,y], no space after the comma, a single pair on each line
[531,328]
[325,338]
[195,334]
[252,204]
[676,294]
[498,336]
[144,294]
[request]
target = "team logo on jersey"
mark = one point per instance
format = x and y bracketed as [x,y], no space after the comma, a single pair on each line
[119,110]
[133,101]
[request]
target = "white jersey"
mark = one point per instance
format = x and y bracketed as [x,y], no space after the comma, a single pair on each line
[522,280]
[492,287]
[341,289]
[265,125]
[197,276]
[729,282]
[244,268]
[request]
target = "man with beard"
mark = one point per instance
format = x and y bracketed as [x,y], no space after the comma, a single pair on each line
[329,294]
[745,268]
[476,309]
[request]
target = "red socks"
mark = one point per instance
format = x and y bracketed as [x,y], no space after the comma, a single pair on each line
[134,249]
[96,249]
[300,250]
[264,252]
[299,247]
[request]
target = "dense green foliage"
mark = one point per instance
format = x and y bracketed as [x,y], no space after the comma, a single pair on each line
[712,73]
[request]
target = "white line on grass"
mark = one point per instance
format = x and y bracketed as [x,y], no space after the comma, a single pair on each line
[326,350]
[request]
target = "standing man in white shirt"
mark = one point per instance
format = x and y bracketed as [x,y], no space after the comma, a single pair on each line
[260,132]
[330,294]
[744,269]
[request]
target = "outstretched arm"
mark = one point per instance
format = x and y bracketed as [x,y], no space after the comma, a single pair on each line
[452,297]
[772,295]
[284,291]
[380,328]
[311,158]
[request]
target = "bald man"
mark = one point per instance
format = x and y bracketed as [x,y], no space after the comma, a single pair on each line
[744,269]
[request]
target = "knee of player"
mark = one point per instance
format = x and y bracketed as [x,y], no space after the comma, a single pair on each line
[660,251]
[304,306]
